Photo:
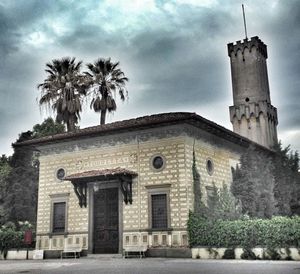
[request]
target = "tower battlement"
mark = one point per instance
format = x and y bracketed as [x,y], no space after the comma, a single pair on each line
[248,43]
[252,114]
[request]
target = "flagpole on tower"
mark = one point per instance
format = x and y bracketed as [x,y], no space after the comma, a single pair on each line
[244,21]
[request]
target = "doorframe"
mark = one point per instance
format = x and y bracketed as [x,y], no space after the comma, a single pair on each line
[104,185]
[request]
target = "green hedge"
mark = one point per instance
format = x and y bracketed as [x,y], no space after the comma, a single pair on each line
[272,233]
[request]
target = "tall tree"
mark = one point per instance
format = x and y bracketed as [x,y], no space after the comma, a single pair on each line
[287,180]
[253,184]
[105,78]
[19,176]
[63,90]
[4,172]
[21,195]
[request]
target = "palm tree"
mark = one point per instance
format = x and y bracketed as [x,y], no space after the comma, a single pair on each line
[105,78]
[63,89]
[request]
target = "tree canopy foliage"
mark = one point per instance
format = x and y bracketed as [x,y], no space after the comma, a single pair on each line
[287,181]
[253,184]
[5,169]
[48,127]
[105,79]
[221,204]
[65,88]
[268,185]
[19,176]
[22,182]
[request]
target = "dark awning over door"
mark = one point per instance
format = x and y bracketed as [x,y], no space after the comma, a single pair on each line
[80,180]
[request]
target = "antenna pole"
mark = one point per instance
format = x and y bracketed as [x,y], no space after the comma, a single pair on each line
[244,21]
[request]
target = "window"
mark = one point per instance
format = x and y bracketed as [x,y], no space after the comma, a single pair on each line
[60,173]
[159,206]
[210,166]
[59,217]
[159,211]
[157,162]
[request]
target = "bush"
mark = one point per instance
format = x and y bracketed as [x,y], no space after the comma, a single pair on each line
[272,254]
[247,233]
[248,254]
[229,254]
[10,238]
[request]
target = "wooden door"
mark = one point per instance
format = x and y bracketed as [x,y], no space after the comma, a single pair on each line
[106,221]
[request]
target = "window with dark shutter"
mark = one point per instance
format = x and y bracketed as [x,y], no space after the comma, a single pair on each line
[59,216]
[159,211]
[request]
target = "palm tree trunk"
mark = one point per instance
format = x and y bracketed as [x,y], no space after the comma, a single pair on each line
[102,117]
[71,124]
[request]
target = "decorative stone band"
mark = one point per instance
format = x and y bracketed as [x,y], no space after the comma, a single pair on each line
[260,253]
[254,109]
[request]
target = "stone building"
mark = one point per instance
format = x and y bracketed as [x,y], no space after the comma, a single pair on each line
[131,183]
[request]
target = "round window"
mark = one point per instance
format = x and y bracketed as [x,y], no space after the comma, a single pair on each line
[158,162]
[60,173]
[210,166]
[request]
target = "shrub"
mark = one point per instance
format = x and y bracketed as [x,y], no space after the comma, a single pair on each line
[248,254]
[11,238]
[272,254]
[247,233]
[229,254]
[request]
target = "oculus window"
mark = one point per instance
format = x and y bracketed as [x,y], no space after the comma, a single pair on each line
[210,166]
[60,174]
[157,162]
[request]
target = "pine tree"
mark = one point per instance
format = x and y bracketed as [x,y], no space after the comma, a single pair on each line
[197,188]
[4,172]
[253,184]
[287,181]
[21,197]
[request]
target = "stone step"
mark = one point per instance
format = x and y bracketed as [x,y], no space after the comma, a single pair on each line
[101,256]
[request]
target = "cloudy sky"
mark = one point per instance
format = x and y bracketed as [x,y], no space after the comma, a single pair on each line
[173,51]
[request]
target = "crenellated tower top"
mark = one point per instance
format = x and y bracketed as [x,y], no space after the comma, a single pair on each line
[249,44]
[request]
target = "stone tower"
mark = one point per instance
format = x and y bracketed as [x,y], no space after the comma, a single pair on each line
[252,114]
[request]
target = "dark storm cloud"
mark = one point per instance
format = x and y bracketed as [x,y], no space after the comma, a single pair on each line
[8,38]
[284,26]
[176,60]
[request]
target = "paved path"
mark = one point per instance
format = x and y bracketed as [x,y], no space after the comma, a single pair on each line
[149,266]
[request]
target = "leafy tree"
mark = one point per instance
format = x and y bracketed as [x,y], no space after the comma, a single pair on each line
[4,172]
[287,181]
[21,196]
[253,184]
[105,78]
[227,207]
[294,165]
[63,90]
[48,127]
[220,204]
[19,176]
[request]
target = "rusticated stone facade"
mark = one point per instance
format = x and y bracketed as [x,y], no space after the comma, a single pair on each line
[216,150]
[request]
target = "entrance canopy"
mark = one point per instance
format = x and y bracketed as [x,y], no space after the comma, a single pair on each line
[80,180]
